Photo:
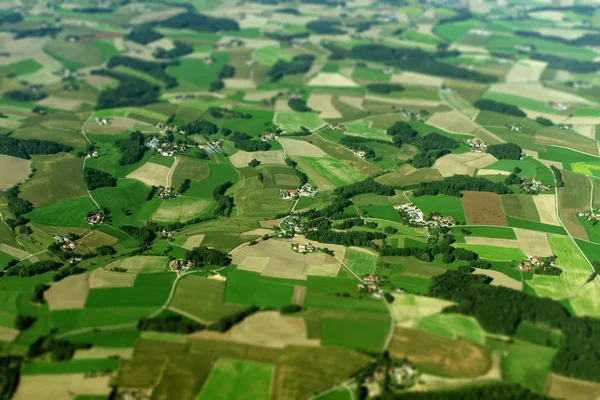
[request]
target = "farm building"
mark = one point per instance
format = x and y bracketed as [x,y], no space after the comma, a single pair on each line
[477,146]
[289,194]
[307,191]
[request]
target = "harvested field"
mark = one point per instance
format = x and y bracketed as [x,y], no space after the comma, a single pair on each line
[97,239]
[159,15]
[12,251]
[281,105]
[276,258]
[533,243]
[61,386]
[574,197]
[356,102]
[323,270]
[510,243]
[482,162]
[242,158]
[487,172]
[526,71]
[322,102]
[62,103]
[409,175]
[405,102]
[586,130]
[500,279]
[327,79]
[193,241]
[102,278]
[181,209]
[408,308]
[271,329]
[300,148]
[118,126]
[8,334]
[272,223]
[536,91]
[582,120]
[450,357]
[69,293]
[546,207]
[561,387]
[299,295]
[483,208]
[151,174]
[238,83]
[142,264]
[453,164]
[103,352]
[14,170]
[411,78]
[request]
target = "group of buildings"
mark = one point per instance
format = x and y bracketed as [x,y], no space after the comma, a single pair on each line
[165,148]
[95,218]
[593,215]
[166,193]
[303,248]
[370,286]
[535,186]
[415,217]
[533,262]
[305,191]
[104,121]
[268,138]
[181,265]
[477,146]
[66,242]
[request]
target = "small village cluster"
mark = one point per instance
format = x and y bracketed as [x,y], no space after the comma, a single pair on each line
[167,193]
[165,148]
[93,154]
[181,265]
[337,127]
[211,147]
[593,215]
[165,234]
[104,121]
[420,116]
[303,248]
[415,217]
[228,44]
[401,376]
[477,146]
[514,127]
[268,138]
[534,186]
[535,262]
[294,225]
[67,243]
[559,105]
[370,286]
[305,191]
[95,218]
[360,154]
[164,128]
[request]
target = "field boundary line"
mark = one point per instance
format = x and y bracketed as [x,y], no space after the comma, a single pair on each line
[171,170]
[15,236]
[345,148]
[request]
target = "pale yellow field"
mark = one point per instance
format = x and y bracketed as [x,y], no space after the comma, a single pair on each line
[453,122]
[492,172]
[61,386]
[322,102]
[13,251]
[510,243]
[332,79]
[482,162]
[452,164]
[587,302]
[254,264]
[405,102]
[546,206]
[260,96]
[586,130]
[159,15]
[242,158]
[300,148]
[557,119]
[14,170]
[62,103]
[235,83]
[102,278]
[97,239]
[536,91]
[500,279]
[555,16]
[533,243]
[253,21]
[583,121]
[145,264]
[561,387]
[69,293]
[151,174]
[103,352]
[164,43]
[525,71]
[356,102]
[271,329]
[408,308]
[8,334]
[176,210]
[193,241]
[415,78]
[330,270]
[281,105]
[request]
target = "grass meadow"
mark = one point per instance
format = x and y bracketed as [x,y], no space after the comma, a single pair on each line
[127,202]
[65,213]
[250,288]
[356,334]
[238,380]
[361,262]
[334,170]
[494,253]
[446,205]
[453,326]
[568,255]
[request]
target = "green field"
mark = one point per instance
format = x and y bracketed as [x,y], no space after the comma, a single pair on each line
[334,170]
[355,334]
[547,286]
[65,213]
[24,67]
[182,209]
[446,205]
[293,121]
[127,202]
[361,262]
[238,380]
[250,288]
[506,45]
[364,129]
[71,366]
[456,30]
[494,253]
[535,226]
[483,231]
[519,206]
[568,256]
[382,212]
[369,74]
[149,290]
[269,55]
[195,74]
[530,168]
[219,173]
[453,326]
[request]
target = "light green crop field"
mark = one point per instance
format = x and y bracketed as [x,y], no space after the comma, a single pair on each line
[453,326]
[238,380]
[369,74]
[334,171]
[361,262]
[494,253]
[182,209]
[446,205]
[547,286]
[364,129]
[269,55]
[573,280]
[195,74]
[293,121]
[65,213]
[568,255]
[355,334]
[587,301]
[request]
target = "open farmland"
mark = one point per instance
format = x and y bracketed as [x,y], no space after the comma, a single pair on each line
[483,208]
[334,171]
[14,170]
[242,380]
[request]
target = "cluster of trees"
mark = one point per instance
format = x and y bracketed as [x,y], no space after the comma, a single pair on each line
[452,186]
[10,366]
[106,250]
[143,35]
[567,64]
[24,322]
[354,238]
[179,49]
[300,64]
[171,323]
[68,271]
[144,235]
[132,149]
[500,310]
[428,253]
[324,27]
[589,39]
[38,293]
[384,88]
[185,185]
[94,179]
[544,121]
[25,148]
[220,112]
[37,268]
[16,205]
[286,37]
[298,105]
[224,201]
[357,143]
[200,127]
[156,70]
[131,91]
[25,95]
[557,176]
[505,151]
[51,31]
[301,175]
[367,186]
[494,391]
[199,22]
[414,60]
[205,256]
[243,141]
[349,223]
[10,18]
[499,107]
[60,350]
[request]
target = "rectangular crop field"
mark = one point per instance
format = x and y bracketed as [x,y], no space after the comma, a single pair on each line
[494,232]
[520,206]
[238,380]
[65,213]
[483,208]
[535,226]
[250,288]
[568,255]
[446,205]
[361,262]
[356,334]
[333,170]
[494,253]
[453,326]
[386,212]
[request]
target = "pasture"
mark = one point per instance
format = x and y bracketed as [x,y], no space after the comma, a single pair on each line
[182,209]
[65,213]
[360,261]
[189,168]
[127,202]
[407,175]
[238,380]
[568,255]
[354,333]
[241,158]
[336,172]
[293,121]
[453,326]
[445,205]
[494,253]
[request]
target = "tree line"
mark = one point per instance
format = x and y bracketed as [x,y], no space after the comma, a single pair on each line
[36,268]
[198,22]
[505,151]
[204,256]
[243,141]
[130,92]
[132,149]
[454,185]
[224,201]
[300,64]
[499,107]
[25,148]
[143,35]
[156,70]
[94,179]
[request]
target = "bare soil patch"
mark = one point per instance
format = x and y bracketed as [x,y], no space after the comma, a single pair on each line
[561,387]
[322,102]
[483,208]
[242,158]
[411,78]
[102,278]
[533,243]
[193,241]
[546,206]
[69,293]
[271,329]
[272,223]
[300,148]
[151,174]
[329,79]
[500,279]
[13,171]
